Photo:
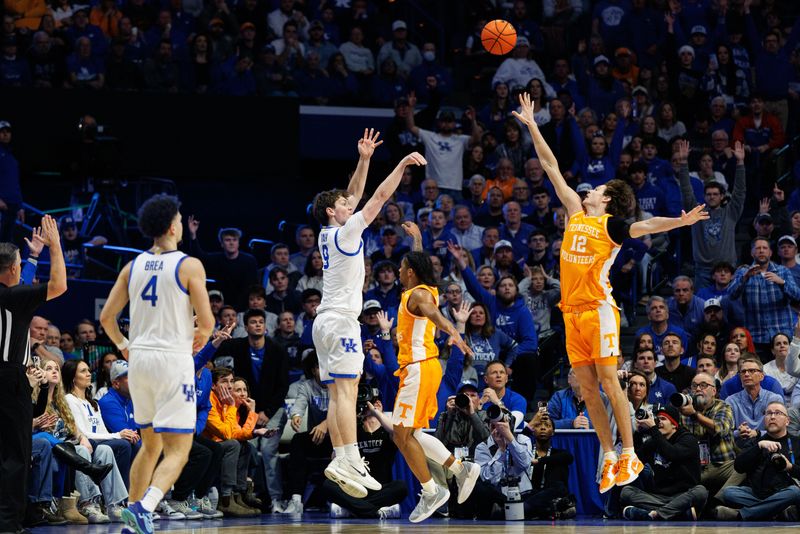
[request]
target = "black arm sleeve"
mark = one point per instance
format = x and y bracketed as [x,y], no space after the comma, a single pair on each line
[618,229]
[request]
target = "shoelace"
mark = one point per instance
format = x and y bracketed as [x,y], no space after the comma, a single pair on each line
[625,462]
[608,467]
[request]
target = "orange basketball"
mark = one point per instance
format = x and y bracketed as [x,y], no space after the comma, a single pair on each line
[499,37]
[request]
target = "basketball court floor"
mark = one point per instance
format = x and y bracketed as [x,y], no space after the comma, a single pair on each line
[322,524]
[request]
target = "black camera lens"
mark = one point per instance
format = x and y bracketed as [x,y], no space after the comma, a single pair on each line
[462,401]
[778,461]
[494,413]
[641,413]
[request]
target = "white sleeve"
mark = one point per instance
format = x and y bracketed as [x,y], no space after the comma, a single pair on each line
[348,238]
[83,423]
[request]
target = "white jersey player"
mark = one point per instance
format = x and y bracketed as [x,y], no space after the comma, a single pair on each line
[165,289]
[336,331]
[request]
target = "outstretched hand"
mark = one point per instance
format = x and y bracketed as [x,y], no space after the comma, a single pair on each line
[411,228]
[455,250]
[458,341]
[368,143]
[696,215]
[50,236]
[526,115]
[35,243]
[415,158]
[738,151]
[461,314]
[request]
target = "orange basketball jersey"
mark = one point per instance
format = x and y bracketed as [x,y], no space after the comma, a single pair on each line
[415,334]
[587,253]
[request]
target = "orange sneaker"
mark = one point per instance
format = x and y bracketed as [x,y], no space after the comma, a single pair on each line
[628,469]
[608,478]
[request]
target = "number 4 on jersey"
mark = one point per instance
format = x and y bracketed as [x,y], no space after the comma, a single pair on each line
[149,291]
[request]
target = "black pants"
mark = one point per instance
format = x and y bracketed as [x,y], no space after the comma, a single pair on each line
[391,493]
[213,467]
[302,449]
[193,471]
[16,414]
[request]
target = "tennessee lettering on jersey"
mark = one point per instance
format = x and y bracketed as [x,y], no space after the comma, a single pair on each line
[587,253]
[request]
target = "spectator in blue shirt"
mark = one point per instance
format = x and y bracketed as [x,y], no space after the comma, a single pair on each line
[488,343]
[81,28]
[685,308]
[766,290]
[85,70]
[567,408]
[749,404]
[659,390]
[650,197]
[14,70]
[387,292]
[430,77]
[116,406]
[609,20]
[436,236]
[601,88]
[497,392]
[514,230]
[659,326]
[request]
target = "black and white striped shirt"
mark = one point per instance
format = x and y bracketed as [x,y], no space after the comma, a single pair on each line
[17,307]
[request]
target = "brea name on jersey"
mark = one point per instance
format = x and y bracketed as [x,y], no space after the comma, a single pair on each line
[154,265]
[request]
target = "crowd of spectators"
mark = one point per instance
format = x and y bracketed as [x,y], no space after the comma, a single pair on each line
[687,100]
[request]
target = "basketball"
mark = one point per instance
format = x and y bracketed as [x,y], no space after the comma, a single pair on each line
[499,37]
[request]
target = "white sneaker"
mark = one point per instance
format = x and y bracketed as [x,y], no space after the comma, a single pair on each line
[155,517]
[114,513]
[184,508]
[203,506]
[335,473]
[168,513]
[466,480]
[295,506]
[93,513]
[428,504]
[213,497]
[358,471]
[389,512]
[338,512]
[277,507]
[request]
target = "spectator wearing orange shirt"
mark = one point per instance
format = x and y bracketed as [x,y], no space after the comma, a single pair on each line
[625,66]
[106,17]
[28,13]
[505,180]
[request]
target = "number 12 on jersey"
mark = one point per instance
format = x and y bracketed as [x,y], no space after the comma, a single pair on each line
[149,291]
[578,243]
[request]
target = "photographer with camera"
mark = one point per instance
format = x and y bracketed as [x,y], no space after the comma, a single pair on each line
[497,392]
[769,464]
[463,424]
[711,421]
[676,492]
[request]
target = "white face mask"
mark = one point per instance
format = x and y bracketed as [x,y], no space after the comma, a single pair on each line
[428,55]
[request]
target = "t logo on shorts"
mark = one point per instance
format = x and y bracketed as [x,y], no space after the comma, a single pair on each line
[405,407]
[188,390]
[349,344]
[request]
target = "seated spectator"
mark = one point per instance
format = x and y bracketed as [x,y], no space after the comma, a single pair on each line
[311,299]
[490,214]
[707,349]
[750,404]
[711,421]
[387,291]
[567,408]
[223,427]
[116,406]
[14,69]
[497,392]
[286,338]
[106,17]
[53,420]
[771,491]
[676,492]
[374,438]
[777,367]
[462,428]
[282,298]
[162,72]
[312,273]
[485,254]
[103,383]
[685,308]
[67,346]
[357,56]
[659,326]
[466,233]
[315,442]
[487,343]
[673,371]
[256,300]
[39,346]
[77,380]
[638,391]
[539,254]
[659,390]
[707,364]
[760,132]
[430,79]
[85,70]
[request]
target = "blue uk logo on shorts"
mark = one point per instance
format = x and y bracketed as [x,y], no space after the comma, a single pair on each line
[349,344]
[188,390]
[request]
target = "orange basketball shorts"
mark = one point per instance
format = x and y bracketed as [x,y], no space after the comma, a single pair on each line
[593,336]
[416,404]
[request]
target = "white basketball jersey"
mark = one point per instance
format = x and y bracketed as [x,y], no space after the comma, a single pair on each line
[161,312]
[342,253]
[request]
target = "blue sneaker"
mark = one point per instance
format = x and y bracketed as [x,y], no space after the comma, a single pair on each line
[137,519]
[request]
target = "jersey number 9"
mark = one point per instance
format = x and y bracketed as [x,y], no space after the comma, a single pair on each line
[325,256]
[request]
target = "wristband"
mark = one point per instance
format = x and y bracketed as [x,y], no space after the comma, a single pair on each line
[385,335]
[122,345]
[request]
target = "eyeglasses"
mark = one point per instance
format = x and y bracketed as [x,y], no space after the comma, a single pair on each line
[702,385]
[453,291]
[749,371]
[775,414]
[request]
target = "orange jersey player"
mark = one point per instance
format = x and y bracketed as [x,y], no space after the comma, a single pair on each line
[595,230]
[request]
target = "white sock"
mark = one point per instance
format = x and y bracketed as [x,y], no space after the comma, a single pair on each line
[151,498]
[610,455]
[339,452]
[351,452]
[433,447]
[629,451]
[296,497]
[429,486]
[456,467]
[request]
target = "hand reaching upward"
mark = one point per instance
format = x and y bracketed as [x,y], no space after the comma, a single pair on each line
[526,115]
[368,143]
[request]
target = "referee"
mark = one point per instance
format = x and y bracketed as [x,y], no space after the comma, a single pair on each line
[17,306]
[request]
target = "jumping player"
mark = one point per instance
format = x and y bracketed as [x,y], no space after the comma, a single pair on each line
[595,230]
[420,374]
[336,332]
[163,286]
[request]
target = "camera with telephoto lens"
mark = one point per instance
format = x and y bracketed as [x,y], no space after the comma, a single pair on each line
[514,505]
[462,401]
[681,400]
[642,414]
[366,393]
[496,414]
[778,461]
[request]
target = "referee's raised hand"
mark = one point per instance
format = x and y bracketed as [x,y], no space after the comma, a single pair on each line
[50,234]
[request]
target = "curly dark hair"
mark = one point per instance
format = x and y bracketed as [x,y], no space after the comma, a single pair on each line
[156,215]
[621,196]
[422,266]
[325,200]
